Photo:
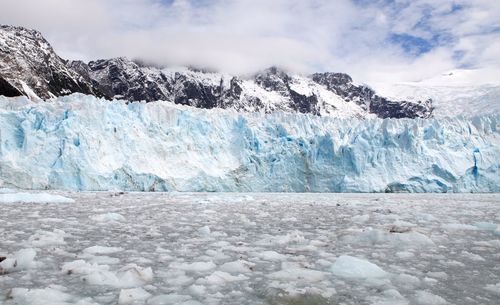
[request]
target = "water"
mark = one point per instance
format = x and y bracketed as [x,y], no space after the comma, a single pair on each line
[233,248]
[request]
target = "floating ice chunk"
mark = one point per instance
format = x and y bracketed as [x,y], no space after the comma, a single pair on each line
[487,226]
[82,267]
[294,237]
[408,281]
[133,275]
[39,296]
[407,239]
[45,238]
[168,299]
[425,217]
[199,290]
[430,281]
[237,267]
[126,277]
[191,302]
[33,198]
[426,298]
[403,224]
[458,226]
[25,258]
[93,273]
[360,218]
[133,296]
[221,278]
[195,267]
[495,243]
[355,268]
[405,254]
[45,296]
[101,259]
[493,288]
[102,250]
[176,277]
[472,256]
[108,217]
[22,259]
[4,189]
[271,256]
[204,231]
[298,274]
[389,297]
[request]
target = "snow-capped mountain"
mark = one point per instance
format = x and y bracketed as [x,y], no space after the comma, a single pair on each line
[29,66]
[452,93]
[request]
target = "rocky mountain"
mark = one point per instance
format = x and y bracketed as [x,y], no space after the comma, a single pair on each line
[29,66]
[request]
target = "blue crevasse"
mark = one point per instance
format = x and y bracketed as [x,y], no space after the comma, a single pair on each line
[79,142]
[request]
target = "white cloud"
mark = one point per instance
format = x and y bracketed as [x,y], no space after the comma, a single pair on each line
[242,36]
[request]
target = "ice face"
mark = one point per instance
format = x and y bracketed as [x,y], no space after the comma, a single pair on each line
[79,142]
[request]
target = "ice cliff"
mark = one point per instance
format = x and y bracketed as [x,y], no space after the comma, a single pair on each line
[80,142]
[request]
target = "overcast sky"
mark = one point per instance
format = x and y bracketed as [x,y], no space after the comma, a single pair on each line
[373,40]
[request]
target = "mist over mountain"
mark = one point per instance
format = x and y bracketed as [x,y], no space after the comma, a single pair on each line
[30,66]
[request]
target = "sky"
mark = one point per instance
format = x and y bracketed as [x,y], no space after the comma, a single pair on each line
[372,40]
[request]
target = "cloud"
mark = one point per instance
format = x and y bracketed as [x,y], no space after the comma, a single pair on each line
[374,40]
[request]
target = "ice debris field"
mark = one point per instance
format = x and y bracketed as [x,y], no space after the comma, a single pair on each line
[227,248]
[80,142]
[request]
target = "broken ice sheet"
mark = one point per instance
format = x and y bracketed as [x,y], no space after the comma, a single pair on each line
[229,248]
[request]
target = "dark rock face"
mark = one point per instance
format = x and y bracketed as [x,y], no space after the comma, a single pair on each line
[6,89]
[341,84]
[29,66]
[274,79]
[194,93]
[28,63]
[122,78]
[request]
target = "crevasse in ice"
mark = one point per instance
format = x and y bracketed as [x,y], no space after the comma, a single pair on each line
[80,142]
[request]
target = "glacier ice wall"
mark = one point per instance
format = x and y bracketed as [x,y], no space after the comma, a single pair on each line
[79,142]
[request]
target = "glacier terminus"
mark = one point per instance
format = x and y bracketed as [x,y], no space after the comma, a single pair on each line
[80,142]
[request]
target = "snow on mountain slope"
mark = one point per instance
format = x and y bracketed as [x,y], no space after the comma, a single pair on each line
[29,66]
[326,94]
[455,93]
[453,100]
[80,142]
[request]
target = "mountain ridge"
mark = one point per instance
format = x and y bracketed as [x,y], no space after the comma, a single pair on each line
[29,66]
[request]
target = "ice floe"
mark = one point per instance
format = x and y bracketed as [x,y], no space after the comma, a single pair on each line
[33,198]
[356,268]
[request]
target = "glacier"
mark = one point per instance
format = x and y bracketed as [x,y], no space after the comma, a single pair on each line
[80,142]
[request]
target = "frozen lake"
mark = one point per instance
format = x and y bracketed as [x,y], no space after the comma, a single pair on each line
[232,248]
